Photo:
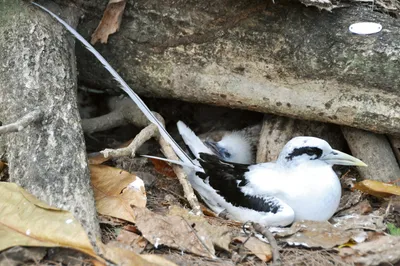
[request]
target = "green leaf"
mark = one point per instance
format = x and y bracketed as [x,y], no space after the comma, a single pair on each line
[393,230]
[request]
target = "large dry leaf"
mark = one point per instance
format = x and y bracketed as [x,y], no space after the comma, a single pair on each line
[383,250]
[116,191]
[26,221]
[110,22]
[257,247]
[123,257]
[137,243]
[314,234]
[378,188]
[220,235]
[163,168]
[357,221]
[175,232]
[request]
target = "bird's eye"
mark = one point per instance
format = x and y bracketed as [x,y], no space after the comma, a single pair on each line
[310,151]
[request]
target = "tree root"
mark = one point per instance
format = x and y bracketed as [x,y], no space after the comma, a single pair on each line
[23,122]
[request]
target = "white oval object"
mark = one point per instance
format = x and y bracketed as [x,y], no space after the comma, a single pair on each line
[365,28]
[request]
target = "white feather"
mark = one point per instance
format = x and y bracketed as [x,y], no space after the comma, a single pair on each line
[192,141]
[238,146]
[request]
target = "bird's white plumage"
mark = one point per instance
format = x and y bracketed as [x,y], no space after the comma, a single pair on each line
[234,147]
[301,182]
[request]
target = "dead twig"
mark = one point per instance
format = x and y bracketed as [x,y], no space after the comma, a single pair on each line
[143,136]
[21,123]
[182,177]
[276,257]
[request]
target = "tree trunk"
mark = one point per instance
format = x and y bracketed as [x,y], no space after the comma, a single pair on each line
[38,71]
[279,58]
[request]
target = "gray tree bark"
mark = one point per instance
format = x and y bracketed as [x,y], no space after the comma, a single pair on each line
[38,71]
[279,58]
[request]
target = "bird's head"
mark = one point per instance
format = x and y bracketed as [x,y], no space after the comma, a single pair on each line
[302,149]
[233,147]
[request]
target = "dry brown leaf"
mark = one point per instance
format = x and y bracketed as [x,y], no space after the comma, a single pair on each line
[257,247]
[314,234]
[116,190]
[26,221]
[2,166]
[163,168]
[136,242]
[110,22]
[175,232]
[98,159]
[221,235]
[357,221]
[123,257]
[157,260]
[378,188]
[381,250]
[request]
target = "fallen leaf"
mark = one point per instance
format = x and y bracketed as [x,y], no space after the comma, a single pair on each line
[357,221]
[157,260]
[257,247]
[220,235]
[378,188]
[136,242]
[163,167]
[314,234]
[116,191]
[361,208]
[175,232]
[393,229]
[26,221]
[110,22]
[123,257]
[98,159]
[381,250]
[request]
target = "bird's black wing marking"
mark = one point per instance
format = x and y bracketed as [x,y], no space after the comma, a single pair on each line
[227,178]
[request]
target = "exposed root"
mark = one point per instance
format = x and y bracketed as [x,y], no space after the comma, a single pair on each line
[21,123]
[276,257]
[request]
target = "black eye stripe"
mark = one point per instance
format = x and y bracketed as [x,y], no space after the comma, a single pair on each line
[305,150]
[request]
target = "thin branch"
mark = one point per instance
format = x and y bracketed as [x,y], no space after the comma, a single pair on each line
[276,257]
[182,177]
[143,136]
[21,123]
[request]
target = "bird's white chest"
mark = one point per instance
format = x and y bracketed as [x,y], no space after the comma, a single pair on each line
[313,192]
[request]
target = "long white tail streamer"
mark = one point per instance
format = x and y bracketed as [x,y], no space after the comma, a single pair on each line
[124,86]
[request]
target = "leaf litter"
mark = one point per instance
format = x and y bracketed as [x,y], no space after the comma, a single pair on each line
[355,235]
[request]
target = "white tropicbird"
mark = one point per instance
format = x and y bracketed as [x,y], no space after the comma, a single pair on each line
[300,185]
